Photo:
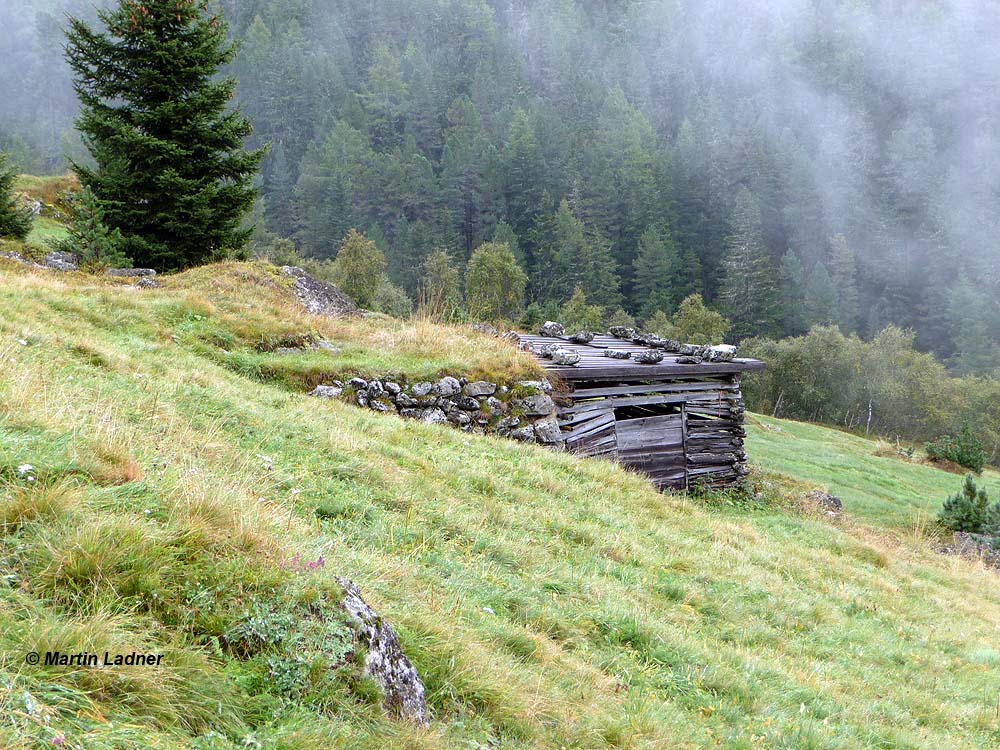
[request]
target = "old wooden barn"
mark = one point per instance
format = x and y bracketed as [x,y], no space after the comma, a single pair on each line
[679,420]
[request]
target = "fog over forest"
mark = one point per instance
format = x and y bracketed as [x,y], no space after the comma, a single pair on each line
[797,162]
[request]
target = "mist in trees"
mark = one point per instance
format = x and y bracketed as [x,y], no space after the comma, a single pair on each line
[794,162]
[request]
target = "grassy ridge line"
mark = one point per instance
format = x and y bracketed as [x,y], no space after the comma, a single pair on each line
[546,600]
[882,491]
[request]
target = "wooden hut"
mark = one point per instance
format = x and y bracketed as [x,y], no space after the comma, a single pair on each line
[679,420]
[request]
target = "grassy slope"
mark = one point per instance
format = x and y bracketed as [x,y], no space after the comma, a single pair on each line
[547,601]
[45,230]
[883,491]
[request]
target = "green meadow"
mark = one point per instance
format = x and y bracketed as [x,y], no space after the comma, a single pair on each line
[181,481]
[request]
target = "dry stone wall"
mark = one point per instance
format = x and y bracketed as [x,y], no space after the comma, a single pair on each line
[523,410]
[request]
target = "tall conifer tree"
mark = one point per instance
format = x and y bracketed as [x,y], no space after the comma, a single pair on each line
[750,287]
[170,169]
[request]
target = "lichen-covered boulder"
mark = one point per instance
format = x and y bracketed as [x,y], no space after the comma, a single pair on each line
[326,391]
[448,386]
[467,403]
[547,350]
[459,417]
[551,328]
[404,401]
[649,339]
[480,388]
[622,332]
[523,434]
[61,261]
[422,389]
[130,273]
[318,297]
[433,416]
[403,694]
[671,345]
[547,431]
[687,359]
[542,386]
[539,405]
[582,337]
[617,354]
[648,357]
[566,357]
[721,353]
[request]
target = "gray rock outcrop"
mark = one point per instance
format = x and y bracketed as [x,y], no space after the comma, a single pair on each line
[130,273]
[61,261]
[403,694]
[319,297]
[830,503]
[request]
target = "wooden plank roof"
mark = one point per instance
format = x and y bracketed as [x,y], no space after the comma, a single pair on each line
[594,365]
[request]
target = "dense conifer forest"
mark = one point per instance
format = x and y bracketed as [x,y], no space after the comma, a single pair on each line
[797,163]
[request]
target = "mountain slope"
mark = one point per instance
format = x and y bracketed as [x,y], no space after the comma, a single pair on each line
[881,490]
[547,601]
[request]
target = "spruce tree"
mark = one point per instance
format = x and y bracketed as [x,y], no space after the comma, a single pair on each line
[170,171]
[749,287]
[967,510]
[546,274]
[14,220]
[843,270]
[821,297]
[793,287]
[656,271]
[89,238]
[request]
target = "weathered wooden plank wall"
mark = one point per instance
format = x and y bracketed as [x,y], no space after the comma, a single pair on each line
[680,431]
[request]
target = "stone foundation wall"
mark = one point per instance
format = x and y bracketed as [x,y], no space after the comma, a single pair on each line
[521,411]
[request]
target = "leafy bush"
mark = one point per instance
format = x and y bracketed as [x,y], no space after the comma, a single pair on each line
[696,323]
[494,284]
[577,315]
[965,450]
[881,387]
[970,510]
[532,318]
[358,268]
[392,300]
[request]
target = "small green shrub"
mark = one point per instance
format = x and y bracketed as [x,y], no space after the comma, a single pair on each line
[393,300]
[970,510]
[90,239]
[965,450]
